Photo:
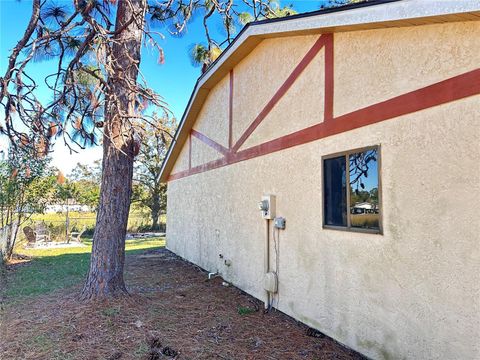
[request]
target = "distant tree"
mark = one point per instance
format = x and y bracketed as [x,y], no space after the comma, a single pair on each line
[87,193]
[335,3]
[65,190]
[98,89]
[360,165]
[203,54]
[148,190]
[26,186]
[86,182]
[374,195]
[88,172]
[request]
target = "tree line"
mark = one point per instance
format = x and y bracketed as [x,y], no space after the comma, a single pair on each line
[100,96]
[28,185]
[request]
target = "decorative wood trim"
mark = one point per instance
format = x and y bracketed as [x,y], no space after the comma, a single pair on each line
[307,59]
[213,144]
[455,88]
[415,13]
[230,112]
[329,80]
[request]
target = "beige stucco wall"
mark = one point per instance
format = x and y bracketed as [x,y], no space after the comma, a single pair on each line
[182,162]
[413,292]
[294,111]
[409,58]
[262,72]
[213,117]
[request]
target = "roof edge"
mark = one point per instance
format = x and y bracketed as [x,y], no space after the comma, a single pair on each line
[324,11]
[330,19]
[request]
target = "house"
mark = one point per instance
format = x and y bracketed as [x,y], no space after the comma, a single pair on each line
[72,206]
[301,115]
[363,207]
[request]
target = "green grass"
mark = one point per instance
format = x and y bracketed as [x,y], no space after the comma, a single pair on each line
[111,311]
[61,216]
[52,269]
[245,310]
[79,221]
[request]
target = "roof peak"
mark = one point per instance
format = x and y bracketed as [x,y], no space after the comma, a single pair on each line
[374,14]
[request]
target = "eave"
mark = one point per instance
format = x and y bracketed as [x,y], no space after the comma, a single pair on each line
[362,16]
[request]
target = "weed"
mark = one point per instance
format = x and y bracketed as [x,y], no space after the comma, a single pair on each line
[41,343]
[111,311]
[140,350]
[245,310]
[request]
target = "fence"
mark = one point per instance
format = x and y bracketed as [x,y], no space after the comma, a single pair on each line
[58,228]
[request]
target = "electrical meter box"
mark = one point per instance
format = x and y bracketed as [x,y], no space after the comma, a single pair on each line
[267,207]
[271,283]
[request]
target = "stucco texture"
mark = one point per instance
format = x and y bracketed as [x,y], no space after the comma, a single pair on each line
[183,159]
[412,292]
[262,72]
[410,58]
[300,107]
[212,120]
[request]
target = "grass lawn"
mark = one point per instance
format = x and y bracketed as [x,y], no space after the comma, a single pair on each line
[52,269]
[55,222]
[172,312]
[88,218]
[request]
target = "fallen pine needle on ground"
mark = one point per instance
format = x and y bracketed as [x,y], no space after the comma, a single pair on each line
[172,312]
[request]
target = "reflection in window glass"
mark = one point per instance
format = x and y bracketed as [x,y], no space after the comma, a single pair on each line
[364,204]
[335,190]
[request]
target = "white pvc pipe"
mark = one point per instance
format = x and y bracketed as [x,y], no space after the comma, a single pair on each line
[266,261]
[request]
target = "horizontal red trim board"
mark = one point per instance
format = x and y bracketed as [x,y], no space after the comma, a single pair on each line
[213,144]
[307,59]
[215,164]
[455,88]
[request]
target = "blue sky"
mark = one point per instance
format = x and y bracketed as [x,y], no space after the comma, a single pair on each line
[173,80]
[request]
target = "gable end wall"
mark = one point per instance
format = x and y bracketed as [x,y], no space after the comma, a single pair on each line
[409,293]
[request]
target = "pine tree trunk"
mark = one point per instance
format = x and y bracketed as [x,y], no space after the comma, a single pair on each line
[155,210]
[105,276]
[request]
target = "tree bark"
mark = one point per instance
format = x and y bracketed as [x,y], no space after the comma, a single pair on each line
[155,210]
[105,276]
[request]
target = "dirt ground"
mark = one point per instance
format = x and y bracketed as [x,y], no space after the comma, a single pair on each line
[172,313]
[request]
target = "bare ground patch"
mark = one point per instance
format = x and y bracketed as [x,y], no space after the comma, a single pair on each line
[172,313]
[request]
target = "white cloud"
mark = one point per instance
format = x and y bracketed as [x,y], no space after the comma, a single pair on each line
[66,161]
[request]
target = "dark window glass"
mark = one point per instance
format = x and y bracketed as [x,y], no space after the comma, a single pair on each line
[335,191]
[363,175]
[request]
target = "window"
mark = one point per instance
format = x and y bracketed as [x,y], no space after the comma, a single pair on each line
[351,190]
